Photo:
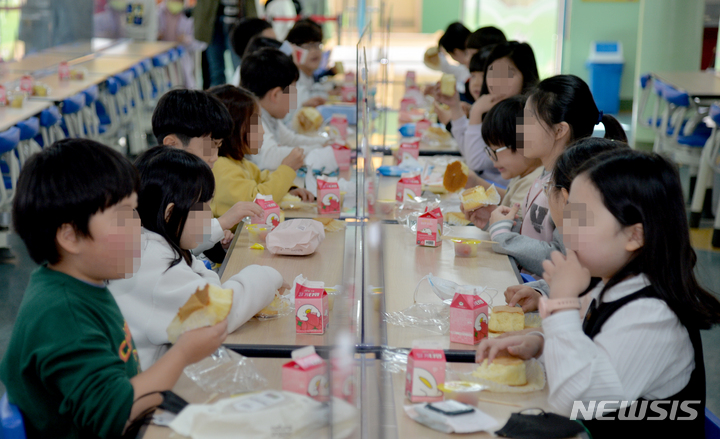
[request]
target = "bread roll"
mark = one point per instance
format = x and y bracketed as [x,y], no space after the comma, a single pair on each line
[503,370]
[506,318]
[456,219]
[447,84]
[432,58]
[207,306]
[478,196]
[307,120]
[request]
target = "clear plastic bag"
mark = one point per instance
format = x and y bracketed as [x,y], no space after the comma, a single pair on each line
[534,371]
[394,360]
[226,371]
[281,306]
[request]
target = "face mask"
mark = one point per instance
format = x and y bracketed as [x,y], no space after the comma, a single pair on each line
[174,7]
[118,5]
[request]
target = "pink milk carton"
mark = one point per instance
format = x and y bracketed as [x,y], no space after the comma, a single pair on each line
[348,93]
[306,374]
[271,211]
[429,228]
[421,126]
[410,78]
[410,146]
[343,155]
[407,104]
[64,71]
[312,315]
[26,84]
[425,372]
[350,78]
[328,195]
[340,124]
[409,187]
[468,319]
[343,379]
[3,96]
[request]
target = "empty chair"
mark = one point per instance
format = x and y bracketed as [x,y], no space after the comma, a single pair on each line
[89,112]
[71,110]
[10,169]
[646,87]
[50,130]
[29,129]
[159,73]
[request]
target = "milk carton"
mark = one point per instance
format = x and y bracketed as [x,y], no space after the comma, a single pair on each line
[3,96]
[421,126]
[429,228]
[328,195]
[271,211]
[312,313]
[348,93]
[343,155]
[407,104]
[409,187]
[410,78]
[468,318]
[425,372]
[64,71]
[26,84]
[410,146]
[339,124]
[306,374]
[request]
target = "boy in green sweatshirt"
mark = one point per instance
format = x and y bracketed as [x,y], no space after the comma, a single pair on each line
[71,365]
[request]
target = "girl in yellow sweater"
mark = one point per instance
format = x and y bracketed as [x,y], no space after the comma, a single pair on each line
[238,179]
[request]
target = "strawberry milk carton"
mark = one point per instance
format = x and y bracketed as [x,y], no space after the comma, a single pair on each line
[409,187]
[306,374]
[3,96]
[425,372]
[271,211]
[407,104]
[328,195]
[64,71]
[342,154]
[312,313]
[26,84]
[340,124]
[411,146]
[421,126]
[429,228]
[343,368]
[348,93]
[410,78]
[468,318]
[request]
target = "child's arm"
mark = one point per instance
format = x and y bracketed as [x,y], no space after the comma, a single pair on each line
[286,137]
[234,184]
[271,154]
[528,252]
[254,288]
[216,234]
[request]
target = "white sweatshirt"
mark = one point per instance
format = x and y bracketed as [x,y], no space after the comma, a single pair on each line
[278,141]
[216,234]
[306,88]
[150,299]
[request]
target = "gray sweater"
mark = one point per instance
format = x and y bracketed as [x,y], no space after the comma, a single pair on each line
[528,252]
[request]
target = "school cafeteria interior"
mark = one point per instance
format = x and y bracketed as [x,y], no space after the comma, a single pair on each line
[375,353]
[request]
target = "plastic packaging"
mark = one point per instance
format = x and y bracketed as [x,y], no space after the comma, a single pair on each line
[462,391]
[281,306]
[534,371]
[258,232]
[226,371]
[394,360]
[466,248]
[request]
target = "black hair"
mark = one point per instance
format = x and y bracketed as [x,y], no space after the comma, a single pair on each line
[500,124]
[304,32]
[579,153]
[485,36]
[171,175]
[67,183]
[522,55]
[266,69]
[479,60]
[454,37]
[243,30]
[259,42]
[567,98]
[190,113]
[642,188]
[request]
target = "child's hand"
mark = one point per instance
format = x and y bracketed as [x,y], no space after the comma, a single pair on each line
[466,108]
[527,297]
[227,239]
[482,106]
[240,210]
[521,346]
[456,111]
[304,194]
[480,216]
[505,213]
[199,343]
[295,160]
[444,116]
[314,102]
[566,277]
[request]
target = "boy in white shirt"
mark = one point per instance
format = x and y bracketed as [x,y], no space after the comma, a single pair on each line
[271,76]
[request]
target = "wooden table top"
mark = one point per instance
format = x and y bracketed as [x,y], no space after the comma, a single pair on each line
[109,65]
[9,77]
[144,49]
[82,47]
[326,265]
[11,116]
[61,90]
[38,61]
[697,84]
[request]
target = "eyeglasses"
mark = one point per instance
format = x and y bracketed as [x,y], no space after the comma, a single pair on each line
[311,46]
[492,153]
[547,185]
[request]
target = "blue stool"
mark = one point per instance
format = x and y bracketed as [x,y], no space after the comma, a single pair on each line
[71,109]
[50,131]
[10,170]
[11,420]
[29,129]
[89,112]
[159,73]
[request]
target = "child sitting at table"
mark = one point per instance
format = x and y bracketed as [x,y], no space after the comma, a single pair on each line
[638,345]
[71,365]
[236,177]
[558,111]
[557,190]
[271,75]
[242,32]
[175,187]
[197,122]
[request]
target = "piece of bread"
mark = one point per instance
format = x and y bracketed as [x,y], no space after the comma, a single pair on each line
[277,306]
[506,318]
[432,58]
[207,306]
[331,224]
[339,69]
[439,133]
[456,219]
[307,120]
[290,201]
[503,370]
[456,176]
[478,197]
[447,84]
